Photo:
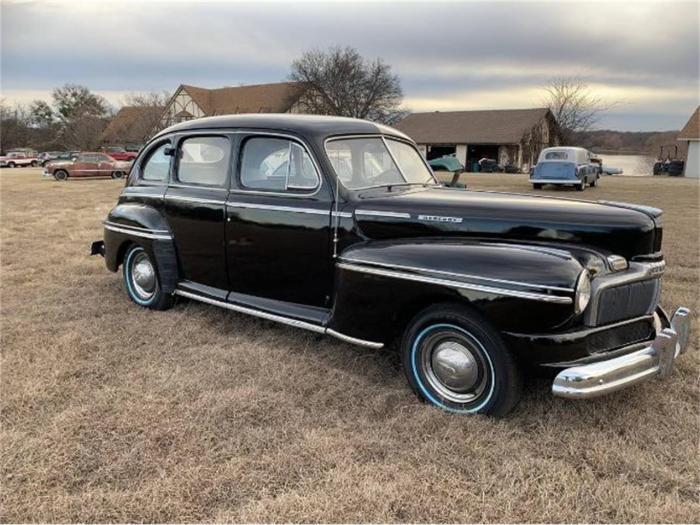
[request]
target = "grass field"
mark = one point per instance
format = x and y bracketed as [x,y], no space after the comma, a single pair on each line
[115,413]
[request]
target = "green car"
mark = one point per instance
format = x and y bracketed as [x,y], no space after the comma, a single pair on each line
[446,163]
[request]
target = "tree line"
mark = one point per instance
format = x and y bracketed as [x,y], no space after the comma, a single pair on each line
[74,119]
[337,81]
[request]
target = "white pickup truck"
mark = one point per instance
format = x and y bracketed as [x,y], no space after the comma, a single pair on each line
[18,158]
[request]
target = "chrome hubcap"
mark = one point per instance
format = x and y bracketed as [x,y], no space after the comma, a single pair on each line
[455,366]
[143,276]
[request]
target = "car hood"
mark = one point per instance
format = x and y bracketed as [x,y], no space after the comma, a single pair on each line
[621,228]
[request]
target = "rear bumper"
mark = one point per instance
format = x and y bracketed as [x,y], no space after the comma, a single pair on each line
[556,181]
[654,360]
[98,248]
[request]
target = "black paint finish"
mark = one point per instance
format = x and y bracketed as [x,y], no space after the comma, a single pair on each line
[287,254]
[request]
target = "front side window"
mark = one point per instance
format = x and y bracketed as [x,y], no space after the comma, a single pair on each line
[368,162]
[275,164]
[204,160]
[157,165]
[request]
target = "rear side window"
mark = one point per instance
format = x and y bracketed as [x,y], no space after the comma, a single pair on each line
[277,165]
[204,160]
[157,165]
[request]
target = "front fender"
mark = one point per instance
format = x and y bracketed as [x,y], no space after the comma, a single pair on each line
[513,285]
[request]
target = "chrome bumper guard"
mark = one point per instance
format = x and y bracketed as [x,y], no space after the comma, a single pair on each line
[604,377]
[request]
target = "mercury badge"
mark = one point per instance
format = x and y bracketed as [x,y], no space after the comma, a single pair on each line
[439,218]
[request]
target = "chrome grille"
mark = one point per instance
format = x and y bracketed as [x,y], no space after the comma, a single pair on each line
[628,300]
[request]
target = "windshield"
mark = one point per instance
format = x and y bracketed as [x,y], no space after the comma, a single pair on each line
[555,170]
[368,162]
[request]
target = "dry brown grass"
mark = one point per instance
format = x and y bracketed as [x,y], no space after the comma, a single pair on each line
[115,413]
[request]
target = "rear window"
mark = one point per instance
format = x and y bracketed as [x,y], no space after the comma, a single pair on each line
[204,160]
[555,170]
[555,155]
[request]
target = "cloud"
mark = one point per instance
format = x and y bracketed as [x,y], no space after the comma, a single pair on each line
[448,55]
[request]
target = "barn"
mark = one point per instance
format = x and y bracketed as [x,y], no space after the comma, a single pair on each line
[690,134]
[512,137]
[190,102]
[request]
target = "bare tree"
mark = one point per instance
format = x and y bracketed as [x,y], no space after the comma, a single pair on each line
[14,126]
[82,116]
[341,82]
[574,107]
[147,113]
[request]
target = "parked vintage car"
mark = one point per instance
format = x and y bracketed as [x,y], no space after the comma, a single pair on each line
[87,164]
[19,159]
[337,226]
[119,153]
[565,166]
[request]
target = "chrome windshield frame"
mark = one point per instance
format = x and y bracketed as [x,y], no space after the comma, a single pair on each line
[383,138]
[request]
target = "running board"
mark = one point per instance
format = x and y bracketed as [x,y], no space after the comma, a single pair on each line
[279,319]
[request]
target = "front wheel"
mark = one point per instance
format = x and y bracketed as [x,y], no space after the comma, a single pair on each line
[117,174]
[34,164]
[454,359]
[10,164]
[60,175]
[537,186]
[142,282]
[580,187]
[594,183]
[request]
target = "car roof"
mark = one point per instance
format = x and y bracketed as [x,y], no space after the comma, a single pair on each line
[318,126]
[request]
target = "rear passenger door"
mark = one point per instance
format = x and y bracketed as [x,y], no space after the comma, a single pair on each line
[278,237]
[195,209]
[85,166]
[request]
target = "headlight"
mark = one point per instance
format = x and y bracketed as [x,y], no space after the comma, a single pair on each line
[583,292]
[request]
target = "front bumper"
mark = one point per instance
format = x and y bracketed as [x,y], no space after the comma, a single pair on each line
[603,377]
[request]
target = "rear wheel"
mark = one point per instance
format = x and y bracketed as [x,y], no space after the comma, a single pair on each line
[594,183]
[580,187]
[60,175]
[34,164]
[142,282]
[454,359]
[537,186]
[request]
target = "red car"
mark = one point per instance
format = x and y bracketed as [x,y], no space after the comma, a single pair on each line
[88,164]
[119,153]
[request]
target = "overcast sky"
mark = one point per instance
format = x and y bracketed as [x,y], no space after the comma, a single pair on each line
[449,56]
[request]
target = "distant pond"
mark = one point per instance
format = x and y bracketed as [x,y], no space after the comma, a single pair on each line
[635,165]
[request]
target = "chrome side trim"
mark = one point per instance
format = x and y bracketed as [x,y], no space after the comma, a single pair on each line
[379,213]
[279,319]
[193,199]
[557,299]
[251,311]
[456,274]
[274,207]
[354,340]
[135,194]
[137,233]
[128,226]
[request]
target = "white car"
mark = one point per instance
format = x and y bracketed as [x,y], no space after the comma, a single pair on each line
[565,166]
[18,158]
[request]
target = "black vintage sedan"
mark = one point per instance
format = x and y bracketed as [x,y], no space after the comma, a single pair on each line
[338,226]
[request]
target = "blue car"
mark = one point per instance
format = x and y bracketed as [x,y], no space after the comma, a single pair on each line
[565,166]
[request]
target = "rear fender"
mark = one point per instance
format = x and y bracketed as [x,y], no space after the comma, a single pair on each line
[531,287]
[133,223]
